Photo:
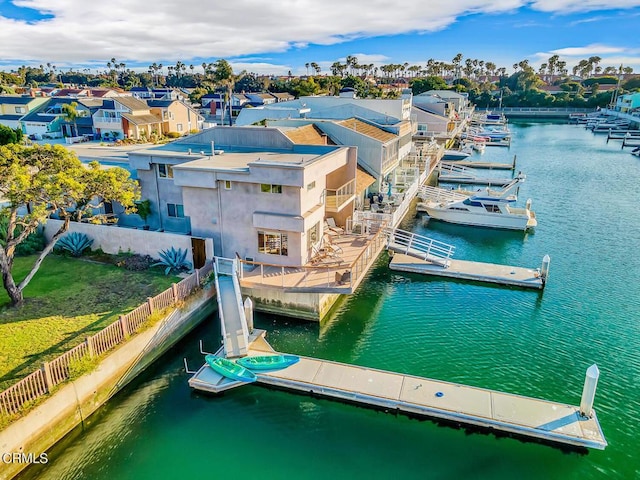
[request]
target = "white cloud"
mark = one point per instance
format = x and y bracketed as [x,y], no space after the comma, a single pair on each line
[588,50]
[81,31]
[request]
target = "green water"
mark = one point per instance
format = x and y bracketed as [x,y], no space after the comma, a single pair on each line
[585,195]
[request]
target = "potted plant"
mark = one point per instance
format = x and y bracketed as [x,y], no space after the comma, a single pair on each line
[143,209]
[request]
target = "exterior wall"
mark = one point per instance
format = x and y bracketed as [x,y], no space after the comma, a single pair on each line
[306,306]
[113,239]
[258,137]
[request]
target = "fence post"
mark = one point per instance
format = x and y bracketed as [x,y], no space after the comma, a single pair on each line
[48,379]
[150,303]
[174,288]
[197,272]
[91,351]
[124,326]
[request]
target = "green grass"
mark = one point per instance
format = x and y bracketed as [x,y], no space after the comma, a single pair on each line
[68,300]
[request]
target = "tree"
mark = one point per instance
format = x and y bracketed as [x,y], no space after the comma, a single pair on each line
[8,135]
[49,179]
[71,113]
[421,85]
[224,76]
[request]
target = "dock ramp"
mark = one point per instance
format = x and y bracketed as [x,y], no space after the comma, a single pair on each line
[235,332]
[419,246]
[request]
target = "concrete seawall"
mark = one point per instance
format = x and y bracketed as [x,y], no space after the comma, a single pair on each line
[76,400]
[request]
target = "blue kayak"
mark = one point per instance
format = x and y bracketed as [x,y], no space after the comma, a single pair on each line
[230,369]
[268,362]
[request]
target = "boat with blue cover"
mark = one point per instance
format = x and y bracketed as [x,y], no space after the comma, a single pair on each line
[230,369]
[268,362]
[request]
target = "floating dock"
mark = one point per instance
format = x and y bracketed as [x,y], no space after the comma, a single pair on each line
[417,396]
[486,165]
[467,270]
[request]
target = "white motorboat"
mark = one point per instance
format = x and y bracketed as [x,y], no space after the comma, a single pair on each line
[453,155]
[636,152]
[486,208]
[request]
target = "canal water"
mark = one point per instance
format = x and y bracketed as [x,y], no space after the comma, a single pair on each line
[539,344]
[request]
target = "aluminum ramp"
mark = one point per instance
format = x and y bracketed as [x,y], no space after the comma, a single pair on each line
[235,333]
[419,246]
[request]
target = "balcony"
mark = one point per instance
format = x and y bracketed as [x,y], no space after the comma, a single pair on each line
[337,199]
[107,122]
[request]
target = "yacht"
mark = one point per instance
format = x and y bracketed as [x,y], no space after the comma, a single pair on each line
[485,208]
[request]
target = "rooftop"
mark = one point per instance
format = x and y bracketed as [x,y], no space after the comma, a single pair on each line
[368,130]
[241,160]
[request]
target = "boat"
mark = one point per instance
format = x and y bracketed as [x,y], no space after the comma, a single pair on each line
[486,208]
[636,152]
[230,369]
[268,362]
[453,155]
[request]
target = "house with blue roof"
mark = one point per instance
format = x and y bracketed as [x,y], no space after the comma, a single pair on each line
[14,107]
[48,121]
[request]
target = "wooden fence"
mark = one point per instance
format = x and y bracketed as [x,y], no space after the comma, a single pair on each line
[41,382]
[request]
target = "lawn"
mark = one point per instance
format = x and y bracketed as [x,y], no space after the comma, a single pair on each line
[68,300]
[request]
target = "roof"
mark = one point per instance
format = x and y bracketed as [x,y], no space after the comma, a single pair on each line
[11,117]
[131,103]
[282,95]
[16,99]
[307,135]
[145,119]
[368,130]
[363,180]
[241,160]
[160,103]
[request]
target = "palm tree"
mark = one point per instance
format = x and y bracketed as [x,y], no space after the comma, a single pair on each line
[307,67]
[224,76]
[71,114]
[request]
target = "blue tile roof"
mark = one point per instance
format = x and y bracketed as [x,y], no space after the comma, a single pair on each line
[14,100]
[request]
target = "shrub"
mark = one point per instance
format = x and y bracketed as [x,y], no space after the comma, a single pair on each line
[78,367]
[173,134]
[75,242]
[173,259]
[136,263]
[35,242]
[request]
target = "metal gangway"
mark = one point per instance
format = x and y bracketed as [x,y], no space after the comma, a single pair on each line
[419,246]
[233,322]
[427,193]
[453,173]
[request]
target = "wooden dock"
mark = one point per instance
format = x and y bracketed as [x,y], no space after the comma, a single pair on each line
[408,394]
[486,165]
[466,270]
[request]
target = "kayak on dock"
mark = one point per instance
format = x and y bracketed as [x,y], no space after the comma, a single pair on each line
[229,369]
[268,362]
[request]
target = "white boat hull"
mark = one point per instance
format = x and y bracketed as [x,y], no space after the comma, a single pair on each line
[523,220]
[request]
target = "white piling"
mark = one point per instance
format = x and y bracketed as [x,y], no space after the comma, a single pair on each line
[213,152]
[544,271]
[589,390]
[248,313]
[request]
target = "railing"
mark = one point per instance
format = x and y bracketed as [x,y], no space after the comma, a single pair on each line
[106,120]
[419,246]
[336,199]
[223,331]
[41,382]
[436,194]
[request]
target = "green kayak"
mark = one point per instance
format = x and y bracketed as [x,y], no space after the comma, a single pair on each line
[230,369]
[268,362]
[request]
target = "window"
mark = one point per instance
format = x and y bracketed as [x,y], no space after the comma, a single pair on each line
[273,243]
[175,210]
[311,185]
[21,110]
[179,127]
[267,188]
[227,184]
[165,171]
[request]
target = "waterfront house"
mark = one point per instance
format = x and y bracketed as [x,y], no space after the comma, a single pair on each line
[261,196]
[627,103]
[14,107]
[125,116]
[429,124]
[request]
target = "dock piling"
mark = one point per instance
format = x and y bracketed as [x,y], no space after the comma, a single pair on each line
[248,313]
[589,390]
[544,271]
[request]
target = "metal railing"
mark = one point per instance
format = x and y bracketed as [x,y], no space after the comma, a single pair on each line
[419,246]
[19,396]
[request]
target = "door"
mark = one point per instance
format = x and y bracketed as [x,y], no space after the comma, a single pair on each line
[199,252]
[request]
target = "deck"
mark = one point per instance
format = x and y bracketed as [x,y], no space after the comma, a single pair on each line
[466,270]
[412,395]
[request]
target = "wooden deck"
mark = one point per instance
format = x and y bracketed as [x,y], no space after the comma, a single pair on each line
[478,407]
[466,270]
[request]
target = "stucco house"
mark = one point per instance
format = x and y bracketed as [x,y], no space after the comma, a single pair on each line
[14,107]
[125,117]
[176,116]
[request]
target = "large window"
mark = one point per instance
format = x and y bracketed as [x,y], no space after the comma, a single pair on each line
[175,210]
[312,235]
[268,188]
[165,171]
[273,243]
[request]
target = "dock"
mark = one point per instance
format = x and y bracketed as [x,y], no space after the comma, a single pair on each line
[454,173]
[467,270]
[486,165]
[411,395]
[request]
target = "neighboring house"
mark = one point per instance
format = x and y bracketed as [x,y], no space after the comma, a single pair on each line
[126,117]
[628,102]
[88,92]
[429,124]
[146,93]
[261,197]
[283,97]
[260,98]
[435,104]
[14,107]
[176,116]
[49,121]
[460,101]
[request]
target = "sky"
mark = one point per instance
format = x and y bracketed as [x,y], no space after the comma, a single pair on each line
[281,36]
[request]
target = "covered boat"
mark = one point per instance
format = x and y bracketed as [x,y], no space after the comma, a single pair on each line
[230,369]
[268,362]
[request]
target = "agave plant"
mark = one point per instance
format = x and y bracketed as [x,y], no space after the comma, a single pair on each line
[75,242]
[173,259]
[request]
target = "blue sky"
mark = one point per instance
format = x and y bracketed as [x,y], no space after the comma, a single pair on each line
[280,36]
